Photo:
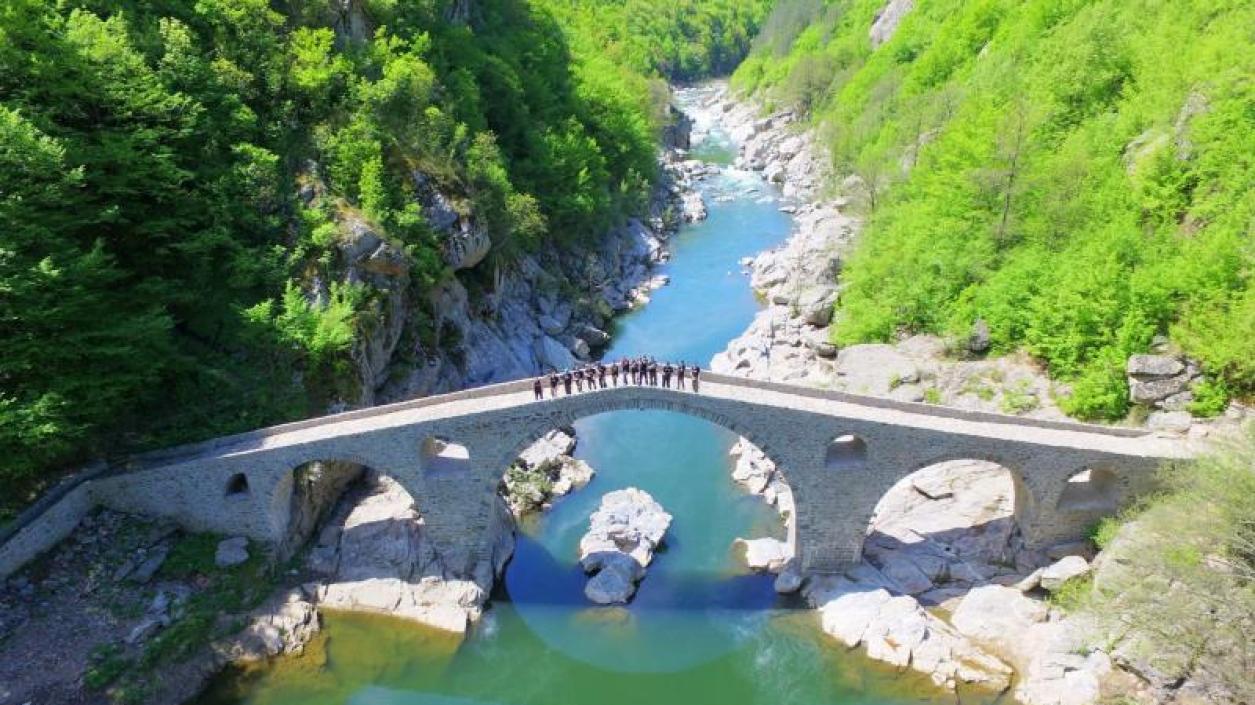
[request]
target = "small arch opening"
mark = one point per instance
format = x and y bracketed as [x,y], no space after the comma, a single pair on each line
[1091,490]
[439,454]
[845,452]
[237,486]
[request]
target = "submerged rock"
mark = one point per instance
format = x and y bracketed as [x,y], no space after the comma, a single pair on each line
[615,577]
[622,536]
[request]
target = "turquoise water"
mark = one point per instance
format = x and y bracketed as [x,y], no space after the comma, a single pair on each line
[700,630]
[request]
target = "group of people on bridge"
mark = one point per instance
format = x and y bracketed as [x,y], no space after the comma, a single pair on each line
[641,371]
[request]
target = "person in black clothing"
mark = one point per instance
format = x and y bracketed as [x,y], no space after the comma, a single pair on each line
[697,372]
[566,381]
[538,389]
[601,374]
[667,370]
[653,373]
[579,380]
[614,373]
[553,384]
[679,376]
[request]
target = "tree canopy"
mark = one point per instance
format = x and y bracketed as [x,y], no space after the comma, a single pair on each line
[1076,174]
[162,280]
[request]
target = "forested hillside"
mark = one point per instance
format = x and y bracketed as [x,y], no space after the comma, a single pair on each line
[1075,173]
[160,241]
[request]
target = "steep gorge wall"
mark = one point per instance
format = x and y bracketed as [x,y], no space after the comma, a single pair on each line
[545,310]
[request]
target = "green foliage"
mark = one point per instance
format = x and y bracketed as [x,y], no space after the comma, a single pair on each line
[1177,586]
[191,555]
[1210,398]
[679,39]
[226,591]
[160,279]
[1075,174]
[1104,532]
[1019,399]
[1074,595]
[106,663]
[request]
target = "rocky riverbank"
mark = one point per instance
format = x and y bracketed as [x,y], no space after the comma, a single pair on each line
[946,586]
[790,340]
[132,610]
[488,323]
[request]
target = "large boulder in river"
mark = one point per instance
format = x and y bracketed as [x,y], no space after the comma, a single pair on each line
[621,538]
[628,521]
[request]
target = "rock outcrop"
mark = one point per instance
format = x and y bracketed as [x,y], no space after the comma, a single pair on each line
[898,631]
[544,471]
[764,554]
[887,20]
[375,557]
[622,536]
[754,471]
[524,321]
[1163,384]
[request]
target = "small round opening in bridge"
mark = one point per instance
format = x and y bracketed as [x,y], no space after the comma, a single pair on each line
[846,451]
[442,455]
[237,486]
[1090,490]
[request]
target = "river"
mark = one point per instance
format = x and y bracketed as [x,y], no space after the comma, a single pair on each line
[700,629]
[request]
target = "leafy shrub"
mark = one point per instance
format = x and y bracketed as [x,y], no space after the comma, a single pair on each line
[1177,586]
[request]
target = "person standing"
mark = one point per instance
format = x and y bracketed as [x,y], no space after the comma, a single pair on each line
[679,375]
[614,373]
[566,381]
[667,370]
[697,373]
[653,373]
[553,384]
[538,389]
[579,380]
[601,374]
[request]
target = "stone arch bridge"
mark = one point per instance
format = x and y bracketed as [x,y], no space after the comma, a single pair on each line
[839,452]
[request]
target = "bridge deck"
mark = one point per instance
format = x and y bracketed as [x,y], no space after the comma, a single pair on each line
[1124,441]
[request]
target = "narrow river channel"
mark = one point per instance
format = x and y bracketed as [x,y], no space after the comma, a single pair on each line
[701,629]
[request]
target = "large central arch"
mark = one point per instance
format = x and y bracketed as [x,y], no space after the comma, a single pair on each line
[492,453]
